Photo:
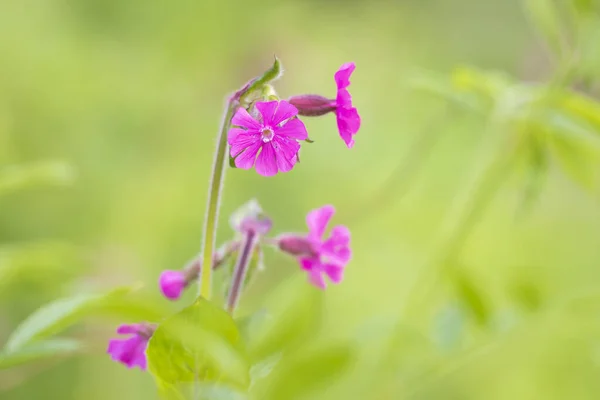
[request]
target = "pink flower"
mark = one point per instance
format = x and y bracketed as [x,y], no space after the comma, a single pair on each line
[318,256]
[131,351]
[172,283]
[348,120]
[270,141]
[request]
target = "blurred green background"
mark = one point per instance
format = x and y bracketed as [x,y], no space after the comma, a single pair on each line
[128,94]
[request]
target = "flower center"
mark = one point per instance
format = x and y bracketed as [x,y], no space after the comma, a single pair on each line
[267,135]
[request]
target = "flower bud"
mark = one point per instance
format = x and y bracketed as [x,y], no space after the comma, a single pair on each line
[312,105]
[296,245]
[250,217]
[172,283]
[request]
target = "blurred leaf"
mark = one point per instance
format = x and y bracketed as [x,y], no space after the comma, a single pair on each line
[295,317]
[264,368]
[35,351]
[580,106]
[200,343]
[546,18]
[471,296]
[537,163]
[307,373]
[45,263]
[18,177]
[251,324]
[59,315]
[441,87]
[576,160]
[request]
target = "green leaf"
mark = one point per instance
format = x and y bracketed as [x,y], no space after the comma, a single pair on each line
[296,310]
[537,162]
[577,161]
[17,177]
[200,343]
[268,76]
[471,296]
[37,351]
[584,108]
[305,374]
[59,315]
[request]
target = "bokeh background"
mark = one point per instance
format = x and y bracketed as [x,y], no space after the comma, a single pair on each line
[120,102]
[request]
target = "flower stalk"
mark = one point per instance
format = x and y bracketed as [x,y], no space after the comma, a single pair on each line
[241,269]
[218,175]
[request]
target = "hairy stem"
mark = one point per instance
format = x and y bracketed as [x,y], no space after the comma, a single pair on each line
[240,270]
[214,202]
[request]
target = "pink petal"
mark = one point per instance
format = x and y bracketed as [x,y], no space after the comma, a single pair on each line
[315,276]
[341,235]
[294,128]
[233,133]
[317,220]
[246,159]
[284,112]
[267,110]
[243,141]
[245,120]
[342,76]
[128,329]
[308,264]
[334,272]
[336,247]
[266,162]
[115,348]
[348,122]
[343,99]
[286,151]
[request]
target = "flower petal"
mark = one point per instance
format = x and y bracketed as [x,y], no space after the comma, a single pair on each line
[294,128]
[342,76]
[334,272]
[343,99]
[267,110]
[243,141]
[307,263]
[348,122]
[246,159]
[245,120]
[266,162]
[128,329]
[286,151]
[318,219]
[284,112]
[315,276]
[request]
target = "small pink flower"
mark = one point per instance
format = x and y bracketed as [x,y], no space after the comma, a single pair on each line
[131,351]
[269,142]
[172,283]
[318,256]
[348,120]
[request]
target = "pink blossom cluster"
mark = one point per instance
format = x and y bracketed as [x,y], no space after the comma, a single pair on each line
[265,135]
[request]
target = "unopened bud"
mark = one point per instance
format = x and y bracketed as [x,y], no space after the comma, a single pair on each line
[296,245]
[312,105]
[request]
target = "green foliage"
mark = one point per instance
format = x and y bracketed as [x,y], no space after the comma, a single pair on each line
[61,314]
[18,177]
[295,313]
[200,343]
[304,374]
[36,351]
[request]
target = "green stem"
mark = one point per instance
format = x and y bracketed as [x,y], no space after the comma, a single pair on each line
[218,174]
[214,202]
